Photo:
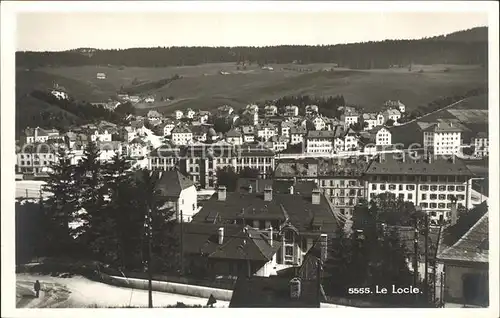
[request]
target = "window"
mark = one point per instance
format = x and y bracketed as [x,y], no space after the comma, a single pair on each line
[434,188]
[342,211]
[451,188]
[22,162]
[193,206]
[382,187]
[424,187]
[372,195]
[410,196]
[392,187]
[289,251]
[442,197]
[433,213]
[442,188]
[441,205]
[433,196]
[448,205]
[433,205]
[424,205]
[461,197]
[423,178]
[401,196]
[410,187]
[400,187]
[374,187]
[460,188]
[434,178]
[424,196]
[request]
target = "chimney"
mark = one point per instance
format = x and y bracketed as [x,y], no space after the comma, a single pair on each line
[295,288]
[429,157]
[291,189]
[268,193]
[221,193]
[221,235]
[324,246]
[316,196]
[250,188]
[271,235]
[380,158]
[454,212]
[454,158]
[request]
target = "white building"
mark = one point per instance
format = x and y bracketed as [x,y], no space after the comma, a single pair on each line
[383,136]
[380,119]
[153,115]
[178,114]
[396,104]
[203,116]
[190,113]
[101,76]
[349,118]
[351,140]
[167,129]
[297,134]
[137,148]
[481,145]
[442,138]
[319,123]
[371,121]
[291,111]
[430,183]
[285,128]
[270,110]
[128,133]
[248,133]
[252,116]
[59,92]
[35,158]
[149,99]
[181,135]
[35,135]
[234,137]
[393,114]
[100,135]
[278,143]
[108,149]
[312,110]
[134,99]
[266,132]
[320,141]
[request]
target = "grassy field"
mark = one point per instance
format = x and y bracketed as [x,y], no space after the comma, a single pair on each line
[202,87]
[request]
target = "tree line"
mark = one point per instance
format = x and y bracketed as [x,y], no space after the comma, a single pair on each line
[99,211]
[366,55]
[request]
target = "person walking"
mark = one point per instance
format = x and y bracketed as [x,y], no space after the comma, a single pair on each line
[37,288]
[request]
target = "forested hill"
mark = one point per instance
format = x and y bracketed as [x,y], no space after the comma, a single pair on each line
[464,47]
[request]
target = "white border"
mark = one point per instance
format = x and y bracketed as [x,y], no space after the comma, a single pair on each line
[8,26]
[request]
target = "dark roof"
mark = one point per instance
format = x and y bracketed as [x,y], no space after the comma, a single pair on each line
[307,168]
[298,130]
[472,247]
[341,167]
[279,186]
[393,164]
[239,242]
[297,209]
[272,292]
[37,148]
[165,151]
[181,130]
[321,134]
[443,126]
[171,183]
[233,133]
[247,150]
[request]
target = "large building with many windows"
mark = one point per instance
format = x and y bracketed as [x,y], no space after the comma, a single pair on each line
[428,181]
[442,138]
[35,158]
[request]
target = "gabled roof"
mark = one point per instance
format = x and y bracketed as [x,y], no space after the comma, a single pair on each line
[443,126]
[321,134]
[233,133]
[181,130]
[137,124]
[171,183]
[481,134]
[376,129]
[298,130]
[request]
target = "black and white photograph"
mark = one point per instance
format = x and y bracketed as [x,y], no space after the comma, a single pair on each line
[263,154]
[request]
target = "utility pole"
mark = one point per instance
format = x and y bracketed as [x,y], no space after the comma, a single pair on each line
[318,278]
[426,280]
[150,273]
[182,244]
[415,258]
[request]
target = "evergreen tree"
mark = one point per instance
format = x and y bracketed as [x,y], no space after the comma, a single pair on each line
[62,204]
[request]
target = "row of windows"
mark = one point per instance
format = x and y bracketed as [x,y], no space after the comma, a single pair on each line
[442,188]
[438,206]
[37,156]
[35,163]
[459,197]
[409,196]
[420,178]
[409,187]
[342,183]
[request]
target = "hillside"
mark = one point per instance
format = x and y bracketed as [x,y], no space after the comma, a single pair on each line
[448,49]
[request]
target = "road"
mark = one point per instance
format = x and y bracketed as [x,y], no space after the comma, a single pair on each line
[437,110]
[79,292]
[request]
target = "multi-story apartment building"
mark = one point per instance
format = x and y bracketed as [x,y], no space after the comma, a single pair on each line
[393,114]
[234,137]
[137,148]
[341,181]
[442,138]
[165,158]
[270,110]
[481,145]
[266,132]
[428,182]
[383,136]
[297,134]
[320,141]
[312,110]
[35,158]
[349,118]
[181,135]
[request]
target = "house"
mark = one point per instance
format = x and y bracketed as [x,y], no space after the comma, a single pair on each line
[270,110]
[190,113]
[39,135]
[277,143]
[302,290]
[35,158]
[380,119]
[297,219]
[168,126]
[392,114]
[369,121]
[351,140]
[481,145]
[291,111]
[166,158]
[383,136]
[251,116]
[297,134]
[312,110]
[59,92]
[138,127]
[443,137]
[128,133]
[224,110]
[108,149]
[203,116]
[137,148]
[178,114]
[430,182]
[320,141]
[349,118]
[134,99]
[319,123]
[149,99]
[200,133]
[285,128]
[234,137]
[248,133]
[228,250]
[395,104]
[463,255]
[101,76]
[153,115]
[266,132]
[181,135]
[100,134]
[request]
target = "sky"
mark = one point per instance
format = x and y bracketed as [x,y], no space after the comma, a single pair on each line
[48,31]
